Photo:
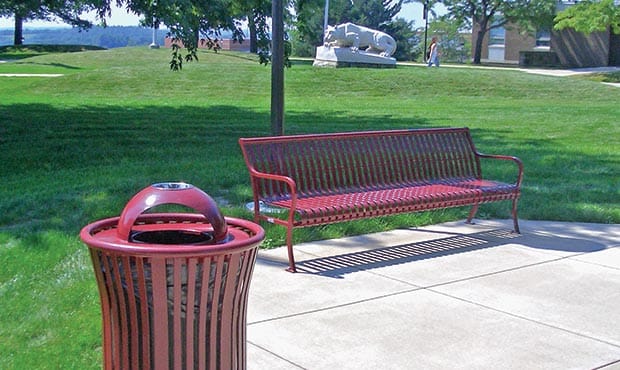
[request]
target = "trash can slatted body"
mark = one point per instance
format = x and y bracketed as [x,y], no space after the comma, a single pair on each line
[181,303]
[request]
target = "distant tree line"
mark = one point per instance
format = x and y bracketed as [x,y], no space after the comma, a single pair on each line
[107,37]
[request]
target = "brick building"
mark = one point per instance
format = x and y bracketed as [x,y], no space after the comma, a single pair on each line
[566,48]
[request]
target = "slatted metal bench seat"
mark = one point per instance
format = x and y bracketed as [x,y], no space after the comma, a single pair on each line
[326,178]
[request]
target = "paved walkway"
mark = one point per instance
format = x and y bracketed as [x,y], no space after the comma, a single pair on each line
[31,74]
[541,71]
[446,296]
[570,72]
[574,72]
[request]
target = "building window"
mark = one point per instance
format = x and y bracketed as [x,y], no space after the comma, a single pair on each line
[543,39]
[497,36]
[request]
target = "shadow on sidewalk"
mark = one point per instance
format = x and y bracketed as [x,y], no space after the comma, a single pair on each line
[339,265]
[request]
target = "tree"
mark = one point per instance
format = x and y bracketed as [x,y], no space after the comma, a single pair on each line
[255,12]
[455,47]
[308,32]
[372,13]
[68,11]
[376,14]
[406,39]
[590,16]
[483,15]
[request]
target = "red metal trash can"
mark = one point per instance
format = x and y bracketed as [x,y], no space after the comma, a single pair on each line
[173,286]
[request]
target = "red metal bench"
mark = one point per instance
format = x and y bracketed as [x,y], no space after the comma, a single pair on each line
[327,178]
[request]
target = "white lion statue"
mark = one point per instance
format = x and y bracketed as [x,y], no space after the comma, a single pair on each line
[356,37]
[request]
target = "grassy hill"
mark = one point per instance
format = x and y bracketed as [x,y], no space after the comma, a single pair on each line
[75,149]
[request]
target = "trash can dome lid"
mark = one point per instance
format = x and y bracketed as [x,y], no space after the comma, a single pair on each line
[205,233]
[172,193]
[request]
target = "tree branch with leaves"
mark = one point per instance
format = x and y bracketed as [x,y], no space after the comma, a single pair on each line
[590,16]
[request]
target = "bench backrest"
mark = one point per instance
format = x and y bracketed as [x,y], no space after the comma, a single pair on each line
[334,163]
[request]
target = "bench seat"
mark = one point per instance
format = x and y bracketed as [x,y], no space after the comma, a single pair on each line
[379,202]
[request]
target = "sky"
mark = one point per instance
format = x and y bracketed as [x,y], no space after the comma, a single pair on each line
[120,17]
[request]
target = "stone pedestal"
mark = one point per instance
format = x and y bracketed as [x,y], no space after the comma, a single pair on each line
[327,56]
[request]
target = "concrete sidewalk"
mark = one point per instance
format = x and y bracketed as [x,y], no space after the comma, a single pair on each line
[539,71]
[442,297]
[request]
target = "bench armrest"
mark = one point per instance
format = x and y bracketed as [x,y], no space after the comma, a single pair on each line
[257,175]
[516,160]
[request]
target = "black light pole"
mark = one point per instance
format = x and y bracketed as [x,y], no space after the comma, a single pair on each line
[277,68]
[425,15]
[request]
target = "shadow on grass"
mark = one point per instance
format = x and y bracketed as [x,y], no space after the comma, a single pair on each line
[65,167]
[15,52]
[59,65]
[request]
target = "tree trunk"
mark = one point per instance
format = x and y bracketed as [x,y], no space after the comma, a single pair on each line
[196,32]
[252,28]
[480,33]
[18,38]
[478,47]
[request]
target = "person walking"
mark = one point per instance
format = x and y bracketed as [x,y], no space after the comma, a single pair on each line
[433,53]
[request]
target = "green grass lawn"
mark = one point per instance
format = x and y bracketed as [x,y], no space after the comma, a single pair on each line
[76,148]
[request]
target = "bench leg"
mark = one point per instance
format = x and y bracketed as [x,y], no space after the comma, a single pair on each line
[515,220]
[472,213]
[289,246]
